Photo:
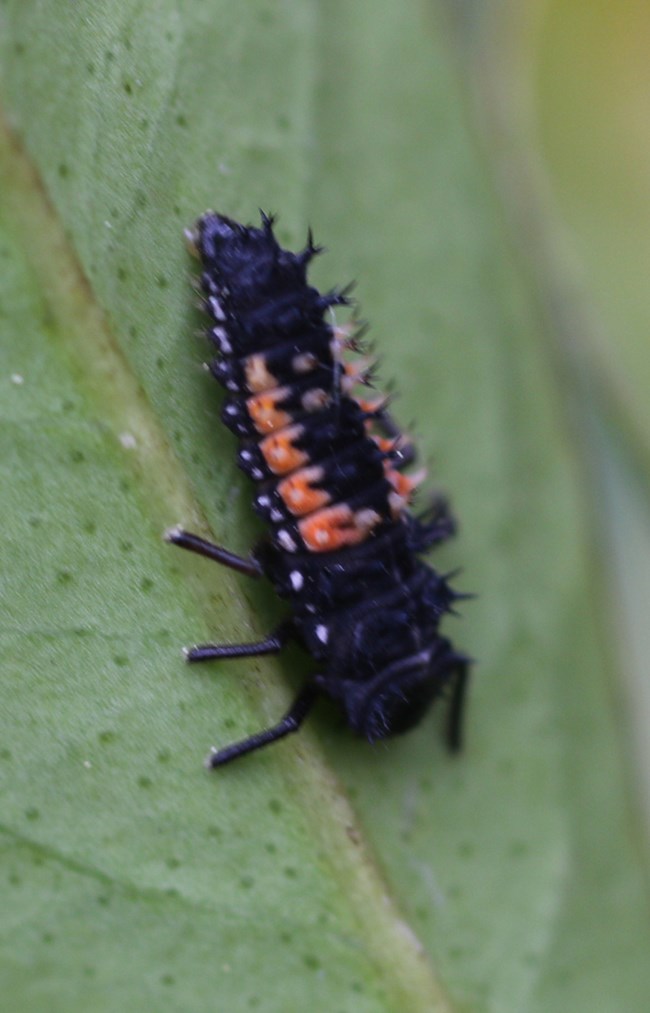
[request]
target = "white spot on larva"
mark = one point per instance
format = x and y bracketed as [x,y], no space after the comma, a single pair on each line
[304,363]
[232,385]
[397,503]
[220,335]
[310,608]
[217,308]
[366,519]
[231,409]
[322,633]
[128,441]
[286,541]
[171,534]
[245,455]
[257,474]
[297,580]
[263,501]
[276,516]
[315,399]
[17,378]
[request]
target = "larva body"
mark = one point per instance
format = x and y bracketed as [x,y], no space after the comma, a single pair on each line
[343,547]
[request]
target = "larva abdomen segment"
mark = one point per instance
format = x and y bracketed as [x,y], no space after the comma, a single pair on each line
[305,438]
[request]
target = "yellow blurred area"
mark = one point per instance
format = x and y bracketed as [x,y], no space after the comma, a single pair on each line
[592,104]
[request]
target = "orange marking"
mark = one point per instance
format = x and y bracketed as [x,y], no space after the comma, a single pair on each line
[403,488]
[279,452]
[357,371]
[298,492]
[264,412]
[258,377]
[386,444]
[372,406]
[404,485]
[336,526]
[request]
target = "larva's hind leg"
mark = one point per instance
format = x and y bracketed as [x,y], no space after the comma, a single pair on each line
[460,681]
[291,722]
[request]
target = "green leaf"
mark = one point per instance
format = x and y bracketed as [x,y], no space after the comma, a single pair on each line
[324,874]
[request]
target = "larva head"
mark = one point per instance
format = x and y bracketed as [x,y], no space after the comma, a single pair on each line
[245,262]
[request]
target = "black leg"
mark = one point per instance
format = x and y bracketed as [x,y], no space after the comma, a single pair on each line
[186,540]
[457,704]
[291,722]
[270,645]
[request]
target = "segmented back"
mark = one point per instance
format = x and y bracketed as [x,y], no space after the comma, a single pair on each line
[329,469]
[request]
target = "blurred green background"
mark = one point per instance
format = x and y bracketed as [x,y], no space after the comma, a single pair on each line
[592,107]
[480,169]
[573,101]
